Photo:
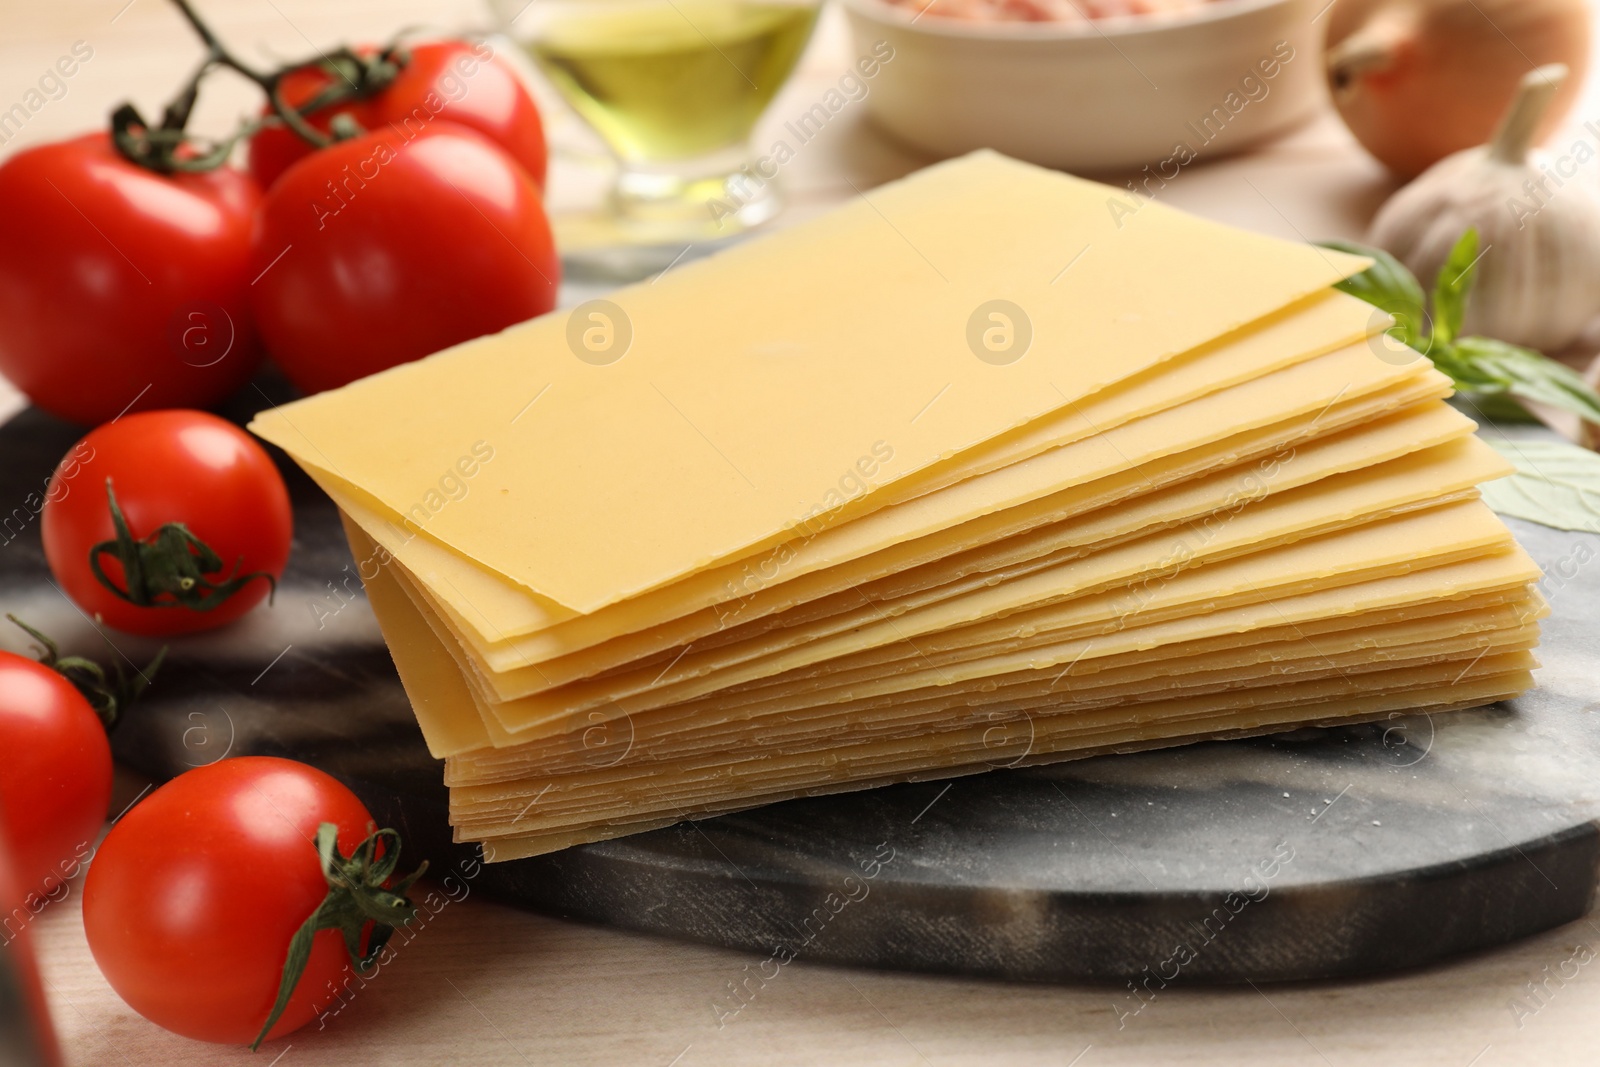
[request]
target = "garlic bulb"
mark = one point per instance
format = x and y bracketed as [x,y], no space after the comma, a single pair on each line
[1416,80]
[1538,222]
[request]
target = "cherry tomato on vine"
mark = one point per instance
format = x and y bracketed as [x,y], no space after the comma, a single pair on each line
[462,81]
[196,894]
[206,515]
[55,777]
[379,250]
[120,288]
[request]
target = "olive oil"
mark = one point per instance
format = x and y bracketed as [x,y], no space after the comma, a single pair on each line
[665,81]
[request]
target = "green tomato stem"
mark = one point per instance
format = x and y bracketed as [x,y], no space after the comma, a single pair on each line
[169,568]
[109,694]
[356,898]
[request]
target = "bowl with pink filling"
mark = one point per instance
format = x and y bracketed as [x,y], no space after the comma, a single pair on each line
[1091,85]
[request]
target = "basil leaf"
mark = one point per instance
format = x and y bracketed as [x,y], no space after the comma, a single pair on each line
[1387,284]
[1524,374]
[1496,407]
[1498,372]
[1555,484]
[1468,377]
[1450,288]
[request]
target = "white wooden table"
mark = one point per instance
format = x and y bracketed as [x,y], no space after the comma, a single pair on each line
[485,984]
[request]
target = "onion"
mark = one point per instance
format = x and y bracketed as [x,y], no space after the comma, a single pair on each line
[1417,80]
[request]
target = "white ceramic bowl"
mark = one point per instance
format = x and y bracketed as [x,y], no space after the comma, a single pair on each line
[1112,95]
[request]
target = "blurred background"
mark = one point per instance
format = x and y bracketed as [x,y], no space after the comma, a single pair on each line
[1312,181]
[1221,108]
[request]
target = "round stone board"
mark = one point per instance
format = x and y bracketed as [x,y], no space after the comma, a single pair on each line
[1304,855]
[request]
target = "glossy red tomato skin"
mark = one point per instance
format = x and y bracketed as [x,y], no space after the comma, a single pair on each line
[194,895]
[463,82]
[167,466]
[121,288]
[55,776]
[380,250]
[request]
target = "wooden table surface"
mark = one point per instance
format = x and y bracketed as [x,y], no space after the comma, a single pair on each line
[485,984]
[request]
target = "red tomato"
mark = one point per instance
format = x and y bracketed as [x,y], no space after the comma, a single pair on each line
[193,898]
[167,467]
[123,289]
[456,80]
[380,250]
[55,778]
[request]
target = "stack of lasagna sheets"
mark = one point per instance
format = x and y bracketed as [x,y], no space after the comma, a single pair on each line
[990,467]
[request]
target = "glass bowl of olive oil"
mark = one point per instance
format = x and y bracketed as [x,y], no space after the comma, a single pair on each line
[674,88]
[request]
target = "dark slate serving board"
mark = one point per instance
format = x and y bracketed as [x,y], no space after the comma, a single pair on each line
[1311,854]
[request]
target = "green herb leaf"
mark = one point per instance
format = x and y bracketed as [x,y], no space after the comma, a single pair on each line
[1525,374]
[1387,284]
[1451,287]
[1498,407]
[1468,376]
[1556,484]
[1498,373]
